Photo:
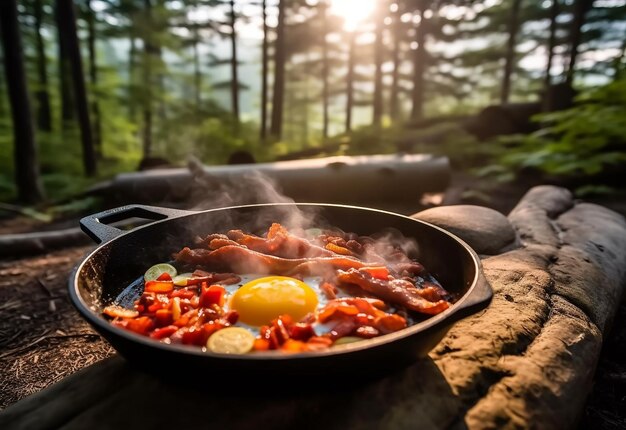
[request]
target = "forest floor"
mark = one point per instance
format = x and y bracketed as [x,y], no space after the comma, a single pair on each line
[605,409]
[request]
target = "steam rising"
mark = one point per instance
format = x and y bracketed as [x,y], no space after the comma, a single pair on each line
[210,192]
[253,187]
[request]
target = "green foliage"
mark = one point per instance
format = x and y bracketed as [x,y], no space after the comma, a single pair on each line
[209,133]
[582,140]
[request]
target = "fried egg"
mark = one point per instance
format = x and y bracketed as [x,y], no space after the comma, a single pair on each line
[258,299]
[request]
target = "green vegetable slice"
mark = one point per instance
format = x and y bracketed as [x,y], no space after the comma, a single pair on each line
[346,340]
[182,279]
[157,270]
[231,340]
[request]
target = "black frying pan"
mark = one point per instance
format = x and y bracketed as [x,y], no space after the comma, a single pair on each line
[105,274]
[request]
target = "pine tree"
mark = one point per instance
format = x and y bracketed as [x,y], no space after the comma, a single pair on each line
[29,188]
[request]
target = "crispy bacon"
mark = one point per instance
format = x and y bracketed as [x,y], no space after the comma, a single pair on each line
[280,243]
[398,291]
[244,260]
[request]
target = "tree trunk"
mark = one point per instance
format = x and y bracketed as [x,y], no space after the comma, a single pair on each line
[378,62]
[68,109]
[581,7]
[547,82]
[554,13]
[69,38]
[325,70]
[509,59]
[132,55]
[93,77]
[234,83]
[44,118]
[394,102]
[147,94]
[419,66]
[279,75]
[197,74]
[350,81]
[264,72]
[29,188]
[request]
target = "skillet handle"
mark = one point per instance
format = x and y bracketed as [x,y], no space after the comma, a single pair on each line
[97,226]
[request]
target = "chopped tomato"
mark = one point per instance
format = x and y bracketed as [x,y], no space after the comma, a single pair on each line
[141,325]
[213,295]
[164,332]
[301,331]
[164,277]
[163,317]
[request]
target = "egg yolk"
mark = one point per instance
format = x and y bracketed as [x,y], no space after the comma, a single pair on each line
[264,299]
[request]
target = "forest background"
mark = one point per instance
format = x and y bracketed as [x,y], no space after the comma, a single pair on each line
[96,87]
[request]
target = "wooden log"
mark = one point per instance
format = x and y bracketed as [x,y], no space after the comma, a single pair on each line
[17,245]
[356,180]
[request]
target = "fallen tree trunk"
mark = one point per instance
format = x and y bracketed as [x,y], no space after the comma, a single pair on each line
[356,180]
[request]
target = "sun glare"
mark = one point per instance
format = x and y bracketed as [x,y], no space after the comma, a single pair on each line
[353,12]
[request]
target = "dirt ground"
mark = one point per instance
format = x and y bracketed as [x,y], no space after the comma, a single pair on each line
[42,338]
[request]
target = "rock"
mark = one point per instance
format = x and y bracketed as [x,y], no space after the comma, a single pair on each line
[485,230]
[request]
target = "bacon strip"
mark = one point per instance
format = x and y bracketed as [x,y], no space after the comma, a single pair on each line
[398,291]
[279,242]
[244,260]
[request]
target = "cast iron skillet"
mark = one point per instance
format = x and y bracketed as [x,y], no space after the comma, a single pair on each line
[106,273]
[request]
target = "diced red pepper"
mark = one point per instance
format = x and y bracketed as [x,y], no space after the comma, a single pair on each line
[163,317]
[141,325]
[301,331]
[164,332]
[183,293]
[269,334]
[193,336]
[213,295]
[232,317]
[208,329]
[159,286]
[164,277]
